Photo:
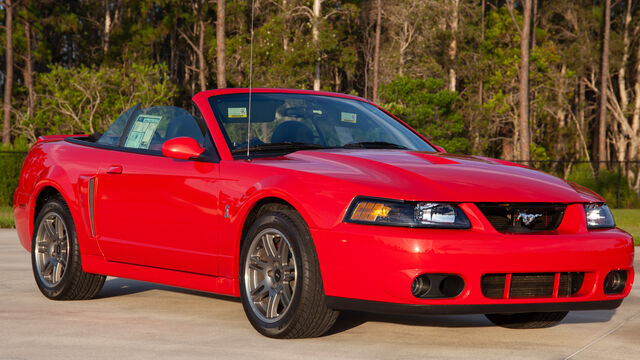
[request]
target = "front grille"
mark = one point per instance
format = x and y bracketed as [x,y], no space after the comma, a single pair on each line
[531,285]
[523,218]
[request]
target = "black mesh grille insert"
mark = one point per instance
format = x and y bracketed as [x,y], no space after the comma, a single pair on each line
[570,283]
[493,285]
[532,285]
[523,218]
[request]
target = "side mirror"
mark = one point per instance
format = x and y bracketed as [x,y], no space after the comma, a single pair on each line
[440,149]
[183,148]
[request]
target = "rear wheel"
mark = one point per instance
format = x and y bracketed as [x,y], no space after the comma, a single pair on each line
[55,256]
[532,320]
[280,282]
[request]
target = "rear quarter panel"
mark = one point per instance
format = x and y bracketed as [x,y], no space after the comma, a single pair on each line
[67,168]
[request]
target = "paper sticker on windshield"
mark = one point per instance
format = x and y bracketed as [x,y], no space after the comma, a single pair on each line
[237,113]
[142,131]
[348,117]
[318,112]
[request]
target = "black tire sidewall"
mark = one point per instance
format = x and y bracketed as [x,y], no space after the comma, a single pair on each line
[59,207]
[296,236]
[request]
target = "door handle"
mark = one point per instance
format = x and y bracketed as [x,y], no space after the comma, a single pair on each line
[114,169]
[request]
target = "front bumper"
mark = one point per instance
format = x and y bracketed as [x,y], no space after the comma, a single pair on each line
[377,265]
[338,303]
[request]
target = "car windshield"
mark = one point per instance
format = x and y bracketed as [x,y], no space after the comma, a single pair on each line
[290,122]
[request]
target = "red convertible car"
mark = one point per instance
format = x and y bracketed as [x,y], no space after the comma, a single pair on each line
[306,203]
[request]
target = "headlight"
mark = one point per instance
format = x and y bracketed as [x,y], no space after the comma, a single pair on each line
[598,216]
[409,214]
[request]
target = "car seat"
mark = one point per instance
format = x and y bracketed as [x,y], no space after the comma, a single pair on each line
[292,131]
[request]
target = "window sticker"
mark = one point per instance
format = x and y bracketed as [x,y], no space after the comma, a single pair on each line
[344,134]
[234,113]
[142,132]
[348,117]
[318,112]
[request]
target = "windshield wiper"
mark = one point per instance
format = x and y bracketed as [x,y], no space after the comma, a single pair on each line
[280,146]
[374,145]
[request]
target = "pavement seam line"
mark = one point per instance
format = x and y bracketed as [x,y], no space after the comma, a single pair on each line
[602,336]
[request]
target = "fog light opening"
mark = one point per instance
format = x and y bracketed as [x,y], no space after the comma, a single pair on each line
[615,282]
[421,286]
[452,286]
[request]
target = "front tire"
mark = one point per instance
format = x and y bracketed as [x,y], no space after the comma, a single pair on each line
[280,282]
[531,320]
[55,256]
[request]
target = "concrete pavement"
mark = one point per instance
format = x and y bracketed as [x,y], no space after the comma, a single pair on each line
[137,320]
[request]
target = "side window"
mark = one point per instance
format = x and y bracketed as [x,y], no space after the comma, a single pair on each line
[151,127]
[114,132]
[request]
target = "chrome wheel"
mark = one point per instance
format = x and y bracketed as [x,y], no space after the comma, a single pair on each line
[51,249]
[270,273]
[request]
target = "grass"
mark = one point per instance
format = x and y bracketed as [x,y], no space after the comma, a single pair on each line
[6,217]
[629,221]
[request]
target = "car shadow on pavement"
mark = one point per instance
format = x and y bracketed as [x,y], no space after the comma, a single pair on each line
[351,319]
[114,287]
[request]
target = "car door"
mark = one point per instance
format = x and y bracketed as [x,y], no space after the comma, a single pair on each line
[156,211]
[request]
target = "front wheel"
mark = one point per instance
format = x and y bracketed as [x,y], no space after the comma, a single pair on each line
[280,282]
[55,256]
[531,320]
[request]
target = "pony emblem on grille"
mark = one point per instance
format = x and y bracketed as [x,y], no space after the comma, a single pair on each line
[527,219]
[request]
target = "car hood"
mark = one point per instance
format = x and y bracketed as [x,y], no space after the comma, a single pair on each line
[413,175]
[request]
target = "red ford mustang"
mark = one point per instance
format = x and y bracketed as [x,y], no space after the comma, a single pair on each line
[306,203]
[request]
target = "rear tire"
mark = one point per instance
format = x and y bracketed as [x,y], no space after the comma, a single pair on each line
[55,256]
[531,320]
[280,281]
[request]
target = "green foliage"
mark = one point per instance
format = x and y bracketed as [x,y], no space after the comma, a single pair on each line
[6,217]
[86,100]
[429,108]
[11,159]
[607,183]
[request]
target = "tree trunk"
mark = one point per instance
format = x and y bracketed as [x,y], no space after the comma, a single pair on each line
[28,73]
[376,51]
[285,40]
[201,59]
[8,75]
[535,24]
[315,32]
[601,129]
[524,81]
[173,68]
[635,118]
[220,46]
[581,101]
[453,46]
[107,27]
[482,29]
[622,72]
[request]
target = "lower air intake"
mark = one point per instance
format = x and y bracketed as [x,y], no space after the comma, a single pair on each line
[531,285]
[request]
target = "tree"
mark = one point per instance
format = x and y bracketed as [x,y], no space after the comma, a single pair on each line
[376,53]
[525,43]
[428,107]
[8,6]
[86,100]
[601,128]
[453,45]
[315,24]
[220,46]
[198,30]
